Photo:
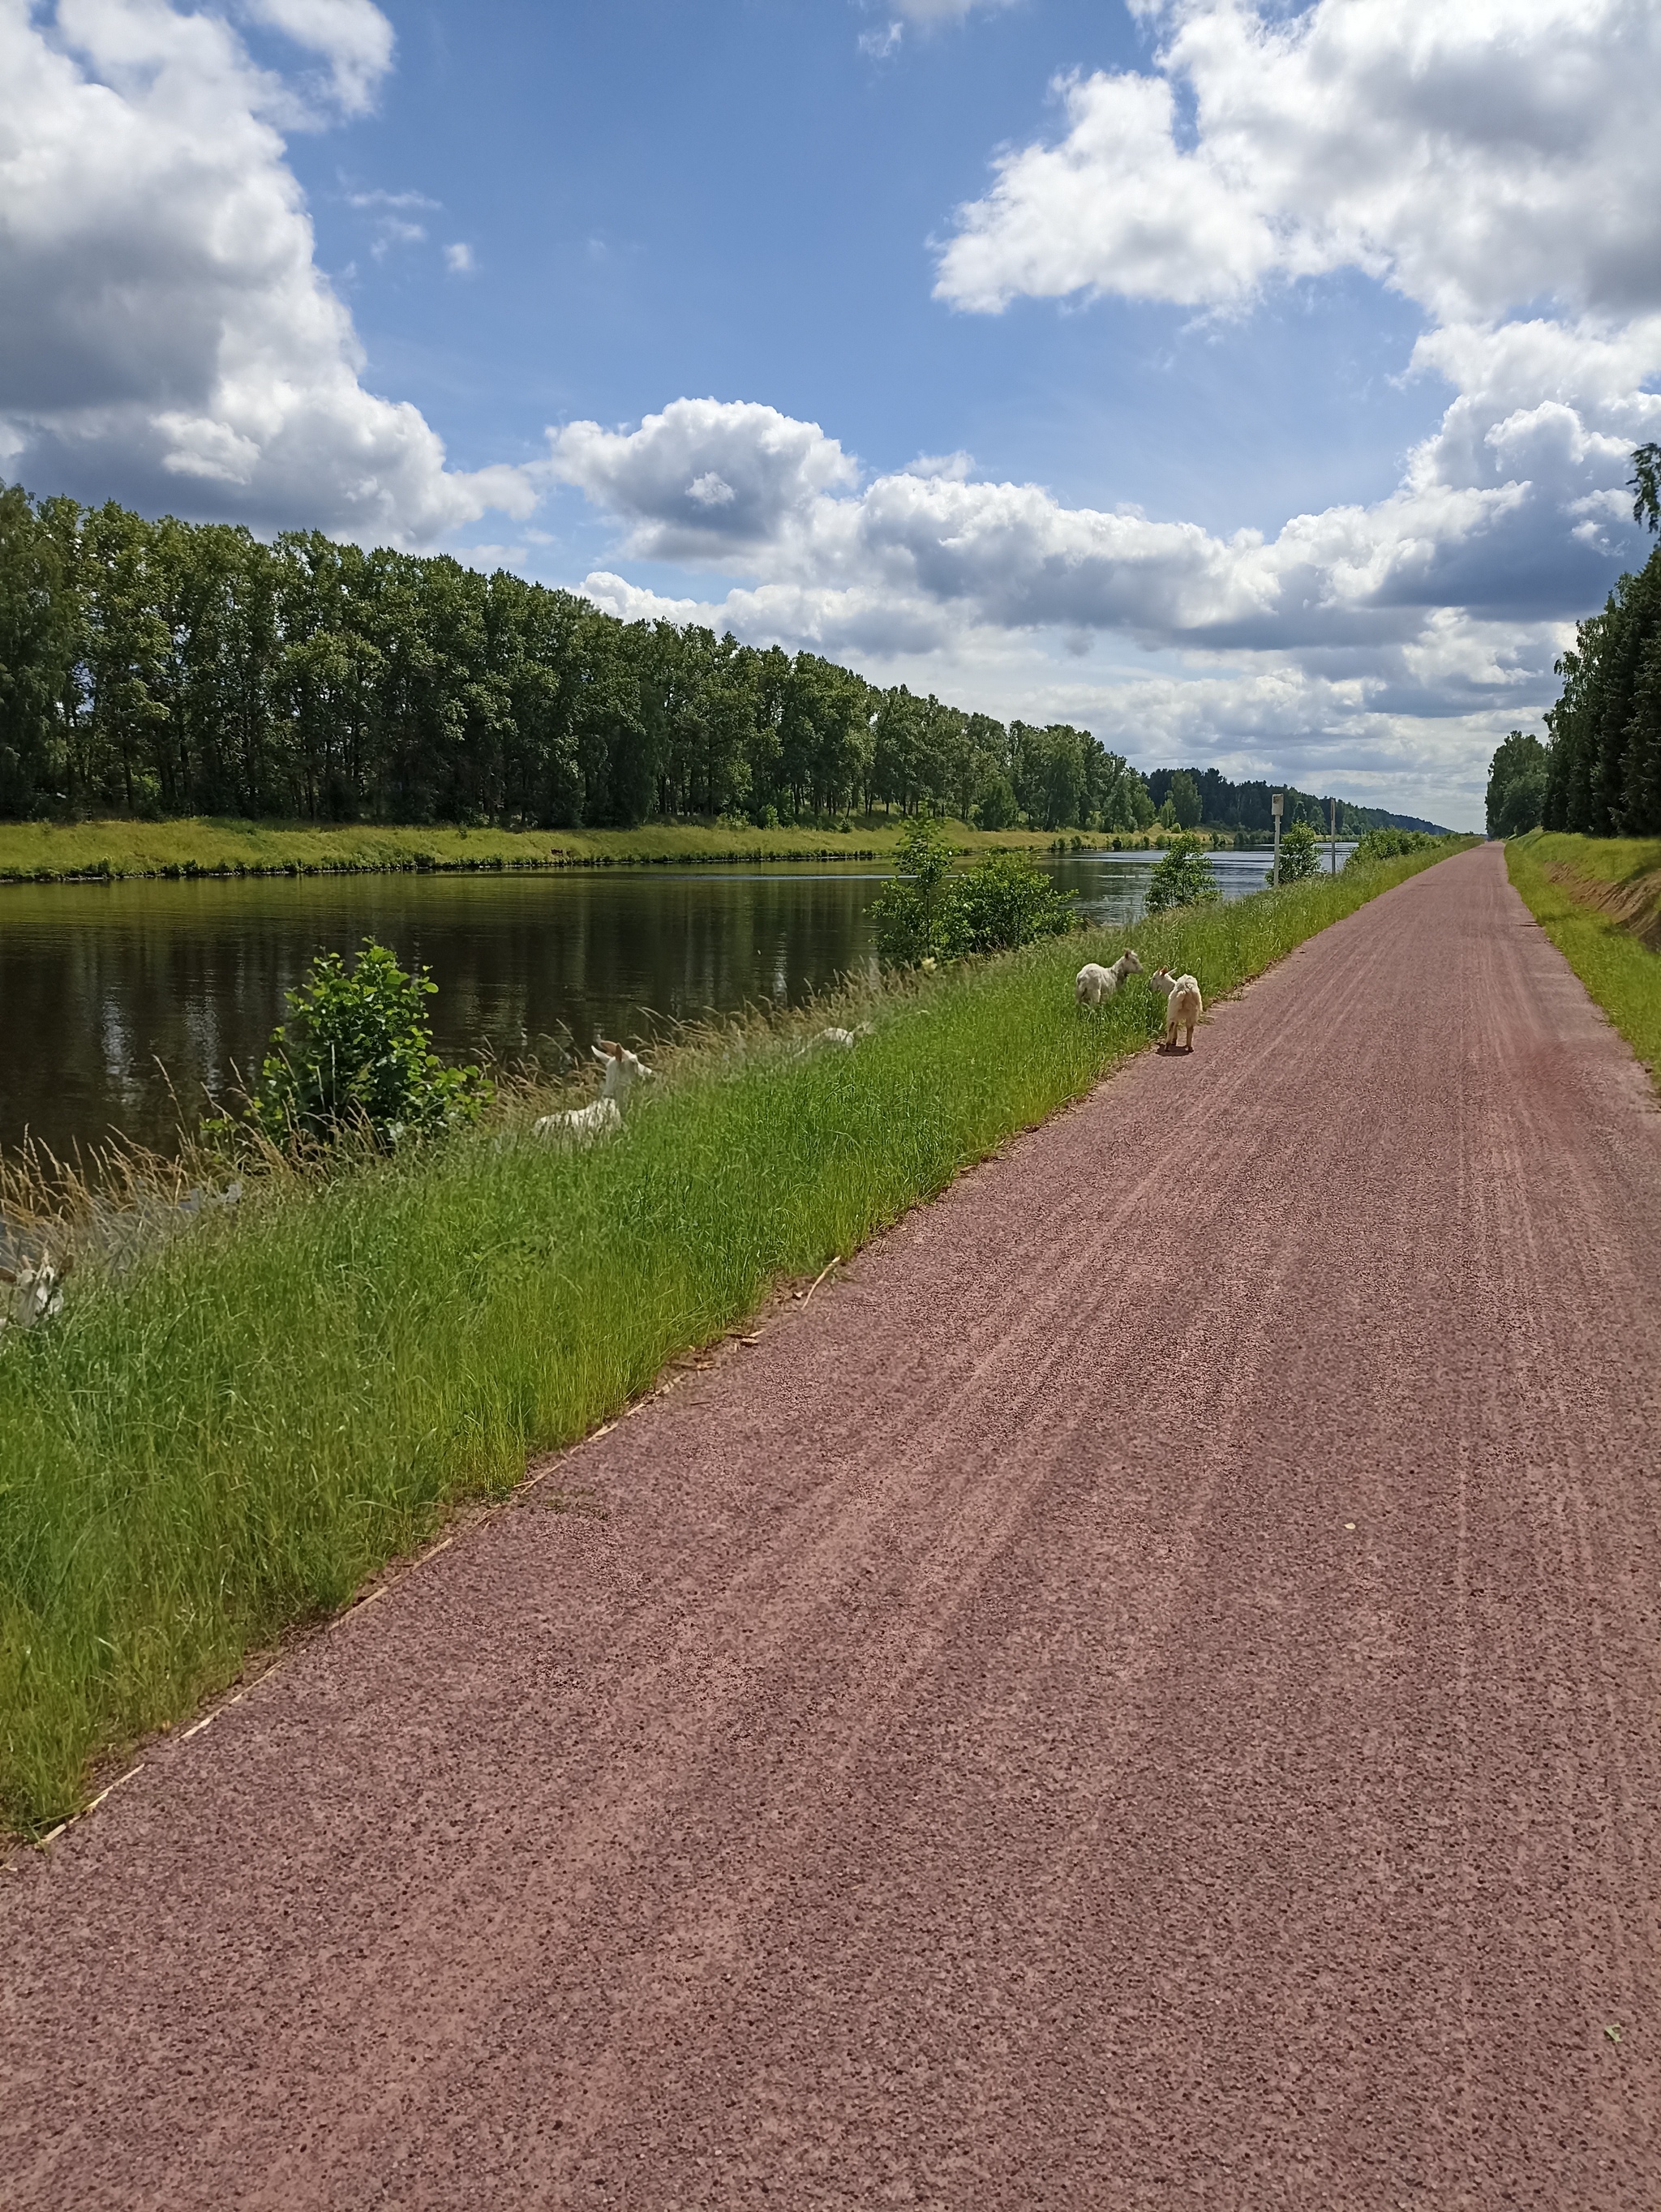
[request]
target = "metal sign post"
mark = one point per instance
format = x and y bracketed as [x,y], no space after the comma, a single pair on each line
[1332,832]
[1277,802]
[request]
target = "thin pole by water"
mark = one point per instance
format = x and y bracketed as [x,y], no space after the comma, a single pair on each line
[1332,832]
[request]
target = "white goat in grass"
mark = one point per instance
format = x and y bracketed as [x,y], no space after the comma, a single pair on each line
[1183,1005]
[836,1040]
[31,1291]
[603,1118]
[1096,983]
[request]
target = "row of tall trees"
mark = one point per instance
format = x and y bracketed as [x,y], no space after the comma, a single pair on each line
[171,668]
[1603,763]
[1516,785]
[1186,796]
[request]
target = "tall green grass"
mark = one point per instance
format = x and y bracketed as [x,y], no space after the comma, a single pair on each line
[230,1435]
[1561,879]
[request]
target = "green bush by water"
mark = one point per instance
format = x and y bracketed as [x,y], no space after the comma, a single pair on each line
[931,912]
[1184,876]
[356,1057]
[234,1434]
[1301,854]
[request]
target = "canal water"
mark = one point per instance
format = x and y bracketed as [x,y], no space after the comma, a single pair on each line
[118,1000]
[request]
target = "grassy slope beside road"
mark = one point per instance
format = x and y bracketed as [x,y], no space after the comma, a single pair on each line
[47,851]
[235,1434]
[1598,899]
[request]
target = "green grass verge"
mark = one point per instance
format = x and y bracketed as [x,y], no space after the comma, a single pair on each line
[1587,894]
[232,1436]
[47,852]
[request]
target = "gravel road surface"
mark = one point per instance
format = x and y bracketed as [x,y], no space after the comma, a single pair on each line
[1145,1692]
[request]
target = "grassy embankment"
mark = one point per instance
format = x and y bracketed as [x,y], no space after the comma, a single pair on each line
[233,1436]
[47,852]
[73,852]
[1598,899]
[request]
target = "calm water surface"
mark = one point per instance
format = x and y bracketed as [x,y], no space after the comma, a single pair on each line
[108,991]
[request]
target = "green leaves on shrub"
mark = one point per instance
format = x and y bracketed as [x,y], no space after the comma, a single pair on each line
[928,912]
[912,913]
[1184,876]
[1389,845]
[1300,855]
[1005,902]
[355,1054]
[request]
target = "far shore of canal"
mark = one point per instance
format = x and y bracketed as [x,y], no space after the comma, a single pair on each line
[117,850]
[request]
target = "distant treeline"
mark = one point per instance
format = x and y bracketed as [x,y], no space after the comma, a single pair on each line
[1599,772]
[169,668]
[1225,805]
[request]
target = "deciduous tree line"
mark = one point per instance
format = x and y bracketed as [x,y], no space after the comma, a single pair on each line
[1600,770]
[169,668]
[1186,796]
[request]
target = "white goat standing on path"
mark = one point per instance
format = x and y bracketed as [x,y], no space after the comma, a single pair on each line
[1183,1005]
[1096,983]
[583,1124]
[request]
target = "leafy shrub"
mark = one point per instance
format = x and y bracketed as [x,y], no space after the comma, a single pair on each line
[355,1053]
[1184,876]
[1300,855]
[1006,901]
[1389,845]
[912,912]
[927,911]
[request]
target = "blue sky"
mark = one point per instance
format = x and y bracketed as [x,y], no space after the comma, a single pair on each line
[1250,385]
[735,200]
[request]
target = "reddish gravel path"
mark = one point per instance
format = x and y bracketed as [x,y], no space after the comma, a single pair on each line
[1147,1693]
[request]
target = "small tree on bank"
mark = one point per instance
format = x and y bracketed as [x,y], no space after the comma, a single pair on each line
[355,1053]
[929,913]
[1005,902]
[1184,876]
[1300,855]
[911,913]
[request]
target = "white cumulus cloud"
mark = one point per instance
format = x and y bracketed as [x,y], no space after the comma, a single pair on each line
[707,481]
[1476,154]
[352,36]
[165,332]
[1494,161]
[739,488]
[1403,637]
